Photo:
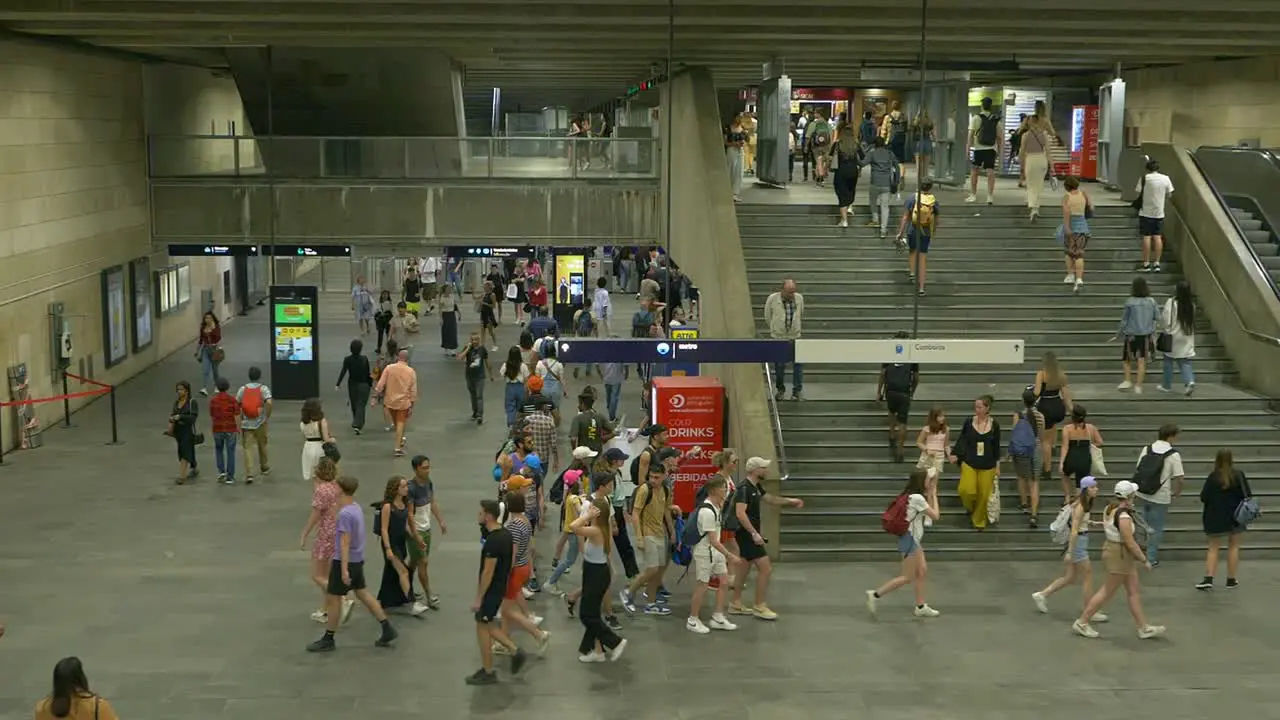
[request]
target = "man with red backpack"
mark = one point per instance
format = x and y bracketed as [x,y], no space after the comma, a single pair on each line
[255,403]
[911,511]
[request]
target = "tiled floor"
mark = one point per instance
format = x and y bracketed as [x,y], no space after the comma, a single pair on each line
[191,602]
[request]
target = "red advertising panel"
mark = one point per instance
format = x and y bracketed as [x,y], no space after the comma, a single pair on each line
[1084,141]
[692,408]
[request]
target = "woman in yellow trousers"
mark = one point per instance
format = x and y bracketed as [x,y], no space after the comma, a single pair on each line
[977,452]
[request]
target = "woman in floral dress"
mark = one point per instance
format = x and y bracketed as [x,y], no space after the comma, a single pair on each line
[324,520]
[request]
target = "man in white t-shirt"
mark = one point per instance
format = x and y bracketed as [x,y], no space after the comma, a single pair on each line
[602,307]
[984,142]
[710,560]
[1155,187]
[1155,506]
[429,274]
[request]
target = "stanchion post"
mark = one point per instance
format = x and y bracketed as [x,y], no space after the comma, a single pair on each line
[66,402]
[115,434]
[2,409]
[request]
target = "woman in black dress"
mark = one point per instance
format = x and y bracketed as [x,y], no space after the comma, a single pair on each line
[448,320]
[392,521]
[1076,461]
[1053,400]
[182,426]
[1223,491]
[490,303]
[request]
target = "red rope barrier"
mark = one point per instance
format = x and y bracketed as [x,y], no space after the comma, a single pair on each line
[86,380]
[58,398]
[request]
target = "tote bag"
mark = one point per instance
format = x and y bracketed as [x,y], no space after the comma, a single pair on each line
[1099,465]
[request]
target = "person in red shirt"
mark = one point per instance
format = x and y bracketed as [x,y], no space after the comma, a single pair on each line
[538,297]
[224,417]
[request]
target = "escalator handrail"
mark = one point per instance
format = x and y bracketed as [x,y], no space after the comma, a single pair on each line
[1195,243]
[1256,266]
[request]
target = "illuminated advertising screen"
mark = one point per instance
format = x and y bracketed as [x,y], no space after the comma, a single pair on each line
[571,279]
[294,344]
[292,314]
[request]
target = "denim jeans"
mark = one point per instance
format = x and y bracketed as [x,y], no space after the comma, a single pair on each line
[566,562]
[511,399]
[612,396]
[475,390]
[208,368]
[1184,369]
[224,452]
[797,377]
[1154,515]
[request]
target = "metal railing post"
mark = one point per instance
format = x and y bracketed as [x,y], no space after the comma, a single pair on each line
[235,154]
[489,162]
[66,402]
[115,428]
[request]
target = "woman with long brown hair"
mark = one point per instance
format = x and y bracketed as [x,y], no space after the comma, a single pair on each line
[1223,491]
[1053,400]
[920,511]
[71,696]
[599,642]
[315,433]
[393,529]
[933,440]
[324,520]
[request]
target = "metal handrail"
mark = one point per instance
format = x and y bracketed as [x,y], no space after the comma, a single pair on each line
[776,422]
[454,138]
[1258,267]
[1213,275]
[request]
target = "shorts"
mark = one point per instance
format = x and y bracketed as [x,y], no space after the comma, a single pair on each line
[653,552]
[1117,560]
[918,242]
[413,307]
[930,462]
[490,604]
[419,554]
[708,563]
[399,416]
[907,545]
[727,536]
[1075,245]
[984,159]
[515,581]
[1053,409]
[899,404]
[487,318]
[531,513]
[1137,347]
[429,291]
[747,548]
[1150,227]
[1024,466]
[898,145]
[1080,553]
[336,586]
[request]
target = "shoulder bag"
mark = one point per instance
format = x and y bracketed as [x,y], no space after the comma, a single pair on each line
[1248,509]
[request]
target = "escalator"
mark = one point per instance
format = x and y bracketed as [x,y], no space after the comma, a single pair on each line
[1247,183]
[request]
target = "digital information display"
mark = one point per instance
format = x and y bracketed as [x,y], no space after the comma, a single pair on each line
[294,344]
[571,280]
[683,351]
[292,314]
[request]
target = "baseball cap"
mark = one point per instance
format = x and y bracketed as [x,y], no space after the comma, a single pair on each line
[582,452]
[757,463]
[535,383]
[614,454]
[654,429]
[572,477]
[1126,489]
[1088,481]
[534,462]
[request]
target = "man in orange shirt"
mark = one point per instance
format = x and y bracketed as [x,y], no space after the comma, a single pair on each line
[398,386]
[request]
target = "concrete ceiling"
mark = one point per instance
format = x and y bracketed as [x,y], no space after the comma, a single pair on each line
[578,51]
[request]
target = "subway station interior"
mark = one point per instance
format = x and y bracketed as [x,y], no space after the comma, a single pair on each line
[161,163]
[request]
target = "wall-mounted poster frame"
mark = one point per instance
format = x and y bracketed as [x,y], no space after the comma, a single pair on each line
[169,289]
[115,316]
[140,290]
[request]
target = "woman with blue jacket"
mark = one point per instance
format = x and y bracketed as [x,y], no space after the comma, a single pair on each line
[1137,331]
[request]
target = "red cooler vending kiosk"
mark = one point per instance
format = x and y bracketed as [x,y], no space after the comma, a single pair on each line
[692,408]
[1084,142]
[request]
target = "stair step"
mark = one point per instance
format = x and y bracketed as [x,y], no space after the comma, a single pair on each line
[799,435]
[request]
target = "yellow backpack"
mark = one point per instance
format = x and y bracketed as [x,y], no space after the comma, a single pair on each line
[922,211]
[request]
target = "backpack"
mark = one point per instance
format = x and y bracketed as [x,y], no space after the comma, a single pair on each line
[894,519]
[989,130]
[585,323]
[897,378]
[251,405]
[922,212]
[897,126]
[822,136]
[1060,528]
[556,494]
[1023,442]
[682,552]
[689,534]
[728,518]
[1150,471]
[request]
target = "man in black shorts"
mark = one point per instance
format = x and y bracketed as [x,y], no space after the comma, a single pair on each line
[346,572]
[984,141]
[896,387]
[497,555]
[751,545]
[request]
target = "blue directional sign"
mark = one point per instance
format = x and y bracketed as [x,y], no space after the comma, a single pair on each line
[682,351]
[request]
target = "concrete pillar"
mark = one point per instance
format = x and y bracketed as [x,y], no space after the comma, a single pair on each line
[702,230]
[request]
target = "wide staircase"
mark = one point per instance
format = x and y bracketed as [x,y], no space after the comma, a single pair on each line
[992,275]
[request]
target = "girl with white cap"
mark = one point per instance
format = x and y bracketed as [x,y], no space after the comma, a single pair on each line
[1121,555]
[1076,558]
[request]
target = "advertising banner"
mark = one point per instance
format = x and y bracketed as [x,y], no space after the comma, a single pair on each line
[692,408]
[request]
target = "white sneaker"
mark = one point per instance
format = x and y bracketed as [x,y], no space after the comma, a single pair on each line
[1126,385]
[1078,285]
[537,620]
[720,622]
[1041,603]
[1150,631]
[528,594]
[924,611]
[971,199]
[347,606]
[1083,630]
[694,625]
[500,649]
[1070,278]
[419,608]
[843,224]
[871,601]
[616,653]
[593,657]
[1137,389]
[1099,617]
[544,642]
[320,616]
[553,589]
[1163,389]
